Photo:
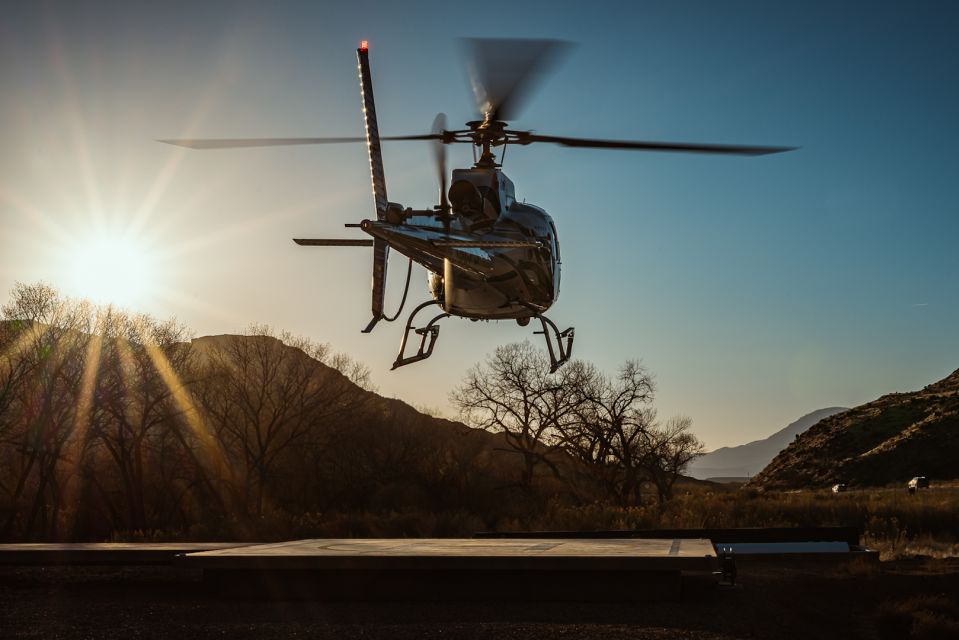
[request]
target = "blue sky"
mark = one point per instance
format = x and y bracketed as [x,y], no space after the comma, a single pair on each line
[756,289]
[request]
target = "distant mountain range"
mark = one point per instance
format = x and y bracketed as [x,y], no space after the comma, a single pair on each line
[885,441]
[749,459]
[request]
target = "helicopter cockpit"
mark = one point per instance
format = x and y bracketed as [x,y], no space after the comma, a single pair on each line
[479,196]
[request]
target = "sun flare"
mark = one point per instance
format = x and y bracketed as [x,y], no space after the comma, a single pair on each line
[112,268]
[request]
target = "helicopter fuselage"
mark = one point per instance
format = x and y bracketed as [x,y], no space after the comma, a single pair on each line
[496,259]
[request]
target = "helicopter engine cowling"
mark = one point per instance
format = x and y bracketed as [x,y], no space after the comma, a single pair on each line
[442,285]
[453,288]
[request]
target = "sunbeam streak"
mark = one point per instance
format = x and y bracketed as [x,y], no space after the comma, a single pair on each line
[18,348]
[83,415]
[214,457]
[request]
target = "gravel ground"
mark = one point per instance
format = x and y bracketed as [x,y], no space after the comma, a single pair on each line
[160,602]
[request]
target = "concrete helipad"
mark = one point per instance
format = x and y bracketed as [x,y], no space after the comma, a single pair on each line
[574,569]
[440,554]
[101,553]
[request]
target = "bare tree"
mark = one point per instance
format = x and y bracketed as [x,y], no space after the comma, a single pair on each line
[47,407]
[264,397]
[139,413]
[515,394]
[672,448]
[93,413]
[16,365]
[612,431]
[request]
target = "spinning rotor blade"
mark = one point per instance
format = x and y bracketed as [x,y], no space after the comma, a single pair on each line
[735,149]
[439,159]
[237,143]
[504,70]
[332,242]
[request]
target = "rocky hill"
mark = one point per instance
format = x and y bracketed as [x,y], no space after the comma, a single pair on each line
[749,459]
[888,440]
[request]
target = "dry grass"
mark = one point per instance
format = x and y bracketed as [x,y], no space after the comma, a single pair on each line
[925,545]
[891,520]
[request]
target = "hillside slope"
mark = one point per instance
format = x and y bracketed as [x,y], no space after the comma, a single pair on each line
[750,458]
[888,440]
[389,422]
[386,408]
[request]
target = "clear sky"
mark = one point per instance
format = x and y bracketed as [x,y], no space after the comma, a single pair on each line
[756,289]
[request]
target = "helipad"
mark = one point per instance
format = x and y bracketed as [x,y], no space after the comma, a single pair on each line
[442,553]
[458,568]
[101,553]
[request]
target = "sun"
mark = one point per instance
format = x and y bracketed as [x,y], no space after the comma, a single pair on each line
[114,268]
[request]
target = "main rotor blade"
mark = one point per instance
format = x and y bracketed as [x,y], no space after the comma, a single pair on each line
[503,71]
[687,147]
[332,242]
[237,143]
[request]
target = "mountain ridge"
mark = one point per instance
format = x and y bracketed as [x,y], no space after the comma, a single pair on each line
[889,440]
[748,459]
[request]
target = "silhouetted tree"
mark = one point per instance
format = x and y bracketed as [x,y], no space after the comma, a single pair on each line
[612,431]
[16,337]
[47,407]
[672,448]
[515,394]
[263,397]
[140,417]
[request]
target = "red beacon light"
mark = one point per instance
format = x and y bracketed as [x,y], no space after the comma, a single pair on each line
[364,45]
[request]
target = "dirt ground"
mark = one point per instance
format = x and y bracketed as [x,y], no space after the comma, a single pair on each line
[769,601]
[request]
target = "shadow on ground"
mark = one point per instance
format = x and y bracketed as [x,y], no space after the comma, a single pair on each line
[769,602]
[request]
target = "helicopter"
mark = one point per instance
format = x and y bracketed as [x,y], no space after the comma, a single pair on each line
[489,256]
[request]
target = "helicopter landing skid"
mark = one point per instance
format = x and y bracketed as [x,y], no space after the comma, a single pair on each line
[565,351]
[559,354]
[431,331]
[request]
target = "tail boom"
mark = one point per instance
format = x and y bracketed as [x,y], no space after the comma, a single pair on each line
[381,203]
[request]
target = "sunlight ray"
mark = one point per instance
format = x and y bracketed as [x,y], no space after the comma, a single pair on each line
[175,157]
[46,221]
[76,124]
[83,413]
[248,226]
[197,304]
[214,456]
[20,345]
[127,363]
[197,201]
[331,201]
